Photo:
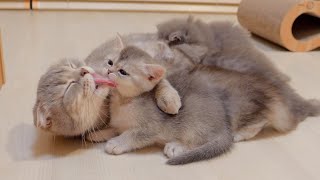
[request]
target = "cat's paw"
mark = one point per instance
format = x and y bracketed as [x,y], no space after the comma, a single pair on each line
[174,149]
[101,135]
[116,147]
[169,101]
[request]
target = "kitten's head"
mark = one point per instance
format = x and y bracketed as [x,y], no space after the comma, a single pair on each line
[179,31]
[70,98]
[135,72]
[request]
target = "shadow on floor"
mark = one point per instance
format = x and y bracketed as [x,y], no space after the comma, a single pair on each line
[267,133]
[25,142]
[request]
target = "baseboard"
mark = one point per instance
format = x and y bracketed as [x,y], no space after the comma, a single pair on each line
[14,4]
[184,6]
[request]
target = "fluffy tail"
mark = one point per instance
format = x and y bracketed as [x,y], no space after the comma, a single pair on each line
[299,107]
[314,107]
[209,150]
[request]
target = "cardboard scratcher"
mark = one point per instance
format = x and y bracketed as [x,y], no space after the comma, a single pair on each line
[293,24]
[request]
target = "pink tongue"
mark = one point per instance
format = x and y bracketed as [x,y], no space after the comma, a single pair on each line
[100,80]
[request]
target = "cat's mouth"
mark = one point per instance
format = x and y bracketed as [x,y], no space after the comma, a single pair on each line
[101,81]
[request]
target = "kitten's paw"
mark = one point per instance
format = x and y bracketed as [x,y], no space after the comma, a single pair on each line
[238,138]
[101,135]
[116,147]
[174,149]
[169,101]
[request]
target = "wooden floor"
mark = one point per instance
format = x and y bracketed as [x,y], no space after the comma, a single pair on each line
[33,40]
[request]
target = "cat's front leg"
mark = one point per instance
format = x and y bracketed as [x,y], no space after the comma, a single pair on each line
[101,135]
[168,99]
[129,141]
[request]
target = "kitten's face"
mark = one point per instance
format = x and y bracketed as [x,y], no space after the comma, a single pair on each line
[134,73]
[70,96]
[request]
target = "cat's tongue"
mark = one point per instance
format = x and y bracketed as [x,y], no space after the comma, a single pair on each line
[100,80]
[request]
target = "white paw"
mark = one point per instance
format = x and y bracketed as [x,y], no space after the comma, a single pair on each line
[170,101]
[173,149]
[238,138]
[114,146]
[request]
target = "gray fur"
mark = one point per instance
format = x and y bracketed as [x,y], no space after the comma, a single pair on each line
[175,61]
[216,104]
[228,46]
[71,107]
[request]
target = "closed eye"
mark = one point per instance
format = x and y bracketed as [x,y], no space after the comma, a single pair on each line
[69,85]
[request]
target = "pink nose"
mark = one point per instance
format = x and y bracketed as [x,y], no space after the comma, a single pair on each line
[84,71]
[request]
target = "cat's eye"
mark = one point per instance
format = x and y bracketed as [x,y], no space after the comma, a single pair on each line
[123,72]
[110,62]
[72,66]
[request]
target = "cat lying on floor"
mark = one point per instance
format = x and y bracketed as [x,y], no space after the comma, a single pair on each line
[72,101]
[218,106]
[172,59]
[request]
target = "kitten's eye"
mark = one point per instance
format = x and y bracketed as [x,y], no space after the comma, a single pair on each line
[110,62]
[72,66]
[123,72]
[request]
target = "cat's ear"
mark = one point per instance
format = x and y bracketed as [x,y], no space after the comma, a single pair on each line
[155,72]
[163,52]
[120,43]
[42,119]
[190,19]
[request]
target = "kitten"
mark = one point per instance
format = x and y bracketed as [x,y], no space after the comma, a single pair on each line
[71,99]
[222,44]
[228,46]
[105,55]
[218,107]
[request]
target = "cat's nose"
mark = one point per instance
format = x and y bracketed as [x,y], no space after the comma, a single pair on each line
[83,72]
[109,71]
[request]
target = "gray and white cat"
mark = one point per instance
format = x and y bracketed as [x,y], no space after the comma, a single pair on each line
[222,44]
[218,106]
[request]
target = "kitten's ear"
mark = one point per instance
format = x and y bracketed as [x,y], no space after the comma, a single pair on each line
[41,119]
[190,19]
[163,52]
[155,72]
[120,42]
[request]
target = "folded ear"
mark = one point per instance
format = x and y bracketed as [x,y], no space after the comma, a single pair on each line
[41,119]
[155,72]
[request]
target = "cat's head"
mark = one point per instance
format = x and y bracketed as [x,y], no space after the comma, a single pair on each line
[108,53]
[179,31]
[135,72]
[70,99]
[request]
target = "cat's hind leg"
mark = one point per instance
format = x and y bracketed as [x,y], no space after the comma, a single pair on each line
[173,149]
[130,140]
[249,131]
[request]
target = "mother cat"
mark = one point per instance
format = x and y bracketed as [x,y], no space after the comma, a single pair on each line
[175,61]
